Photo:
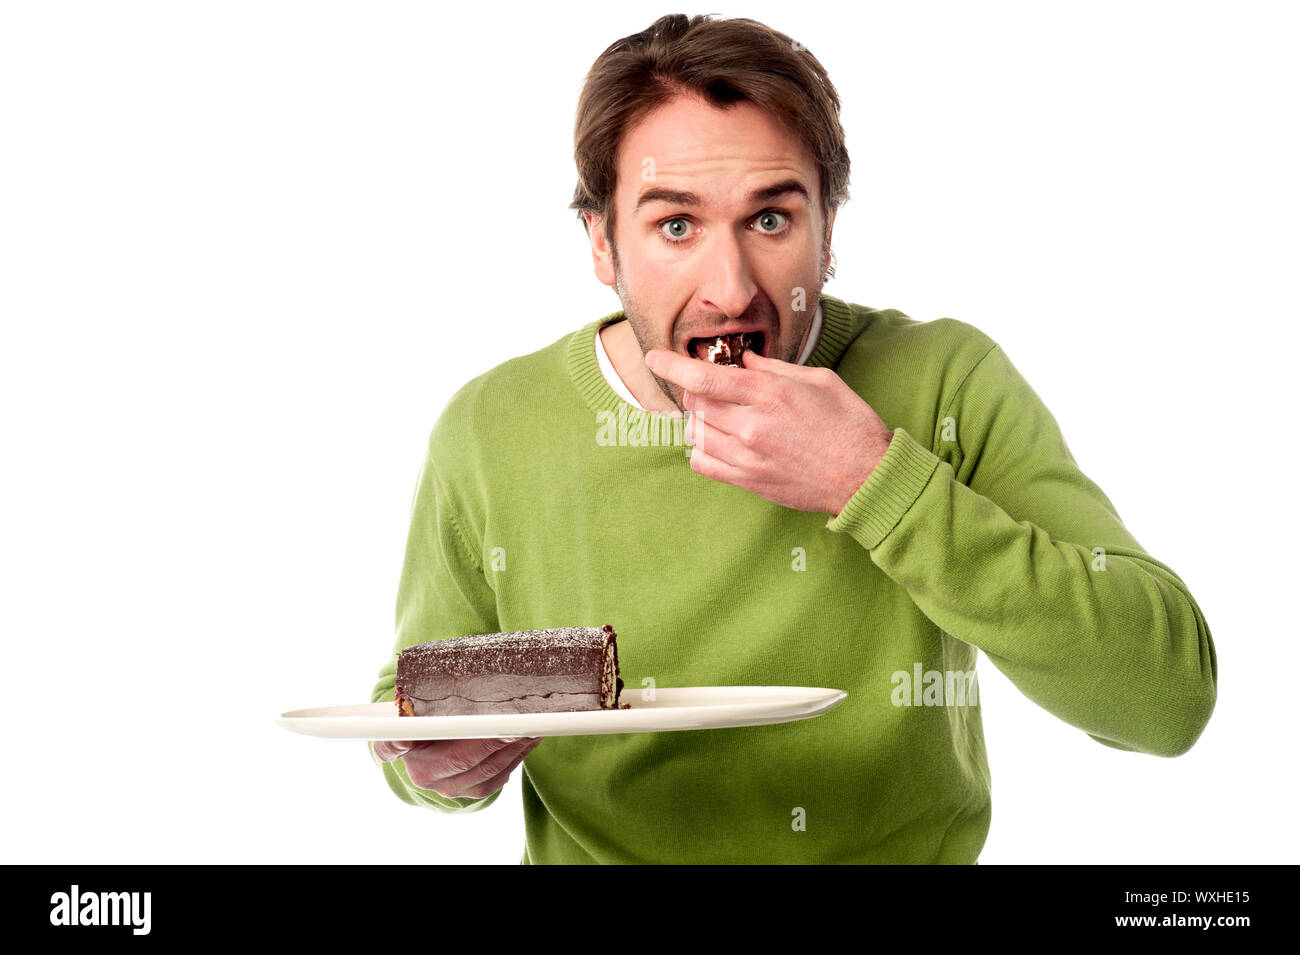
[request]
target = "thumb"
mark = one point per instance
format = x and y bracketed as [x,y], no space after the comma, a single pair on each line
[756,362]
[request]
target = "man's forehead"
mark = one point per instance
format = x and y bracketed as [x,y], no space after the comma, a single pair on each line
[754,187]
[691,145]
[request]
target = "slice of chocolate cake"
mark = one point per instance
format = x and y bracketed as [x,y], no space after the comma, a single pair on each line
[530,671]
[726,349]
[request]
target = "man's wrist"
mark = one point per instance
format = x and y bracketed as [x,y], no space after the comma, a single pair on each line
[880,502]
[872,460]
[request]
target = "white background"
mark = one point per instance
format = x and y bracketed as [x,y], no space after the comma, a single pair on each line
[248,250]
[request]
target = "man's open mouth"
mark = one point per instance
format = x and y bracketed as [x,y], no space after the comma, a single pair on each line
[726,349]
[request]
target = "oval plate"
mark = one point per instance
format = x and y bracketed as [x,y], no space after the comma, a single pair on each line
[674,708]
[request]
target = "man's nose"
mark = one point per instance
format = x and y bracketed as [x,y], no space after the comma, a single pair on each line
[727,280]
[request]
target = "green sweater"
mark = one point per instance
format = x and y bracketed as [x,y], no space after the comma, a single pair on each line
[548,501]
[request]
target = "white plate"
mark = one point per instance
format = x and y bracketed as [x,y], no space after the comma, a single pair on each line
[677,708]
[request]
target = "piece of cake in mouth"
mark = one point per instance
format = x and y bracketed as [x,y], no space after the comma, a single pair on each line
[528,671]
[726,349]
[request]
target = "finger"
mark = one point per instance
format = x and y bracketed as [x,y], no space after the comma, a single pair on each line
[490,786]
[726,417]
[703,377]
[756,362]
[714,442]
[390,749]
[706,465]
[421,755]
[440,760]
[455,775]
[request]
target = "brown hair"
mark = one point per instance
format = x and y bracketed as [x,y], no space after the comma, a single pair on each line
[721,60]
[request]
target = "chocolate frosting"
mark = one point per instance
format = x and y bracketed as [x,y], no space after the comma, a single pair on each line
[574,668]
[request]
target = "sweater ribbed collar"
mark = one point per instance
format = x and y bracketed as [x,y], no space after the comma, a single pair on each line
[838,331]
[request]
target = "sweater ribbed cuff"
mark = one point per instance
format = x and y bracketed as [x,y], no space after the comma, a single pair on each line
[885,496]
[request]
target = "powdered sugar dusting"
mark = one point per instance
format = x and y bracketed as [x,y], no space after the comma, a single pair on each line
[524,651]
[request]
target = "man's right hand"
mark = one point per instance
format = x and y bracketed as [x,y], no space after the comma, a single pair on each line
[457,768]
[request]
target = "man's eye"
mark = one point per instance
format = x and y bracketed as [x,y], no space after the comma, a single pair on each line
[767,217]
[674,234]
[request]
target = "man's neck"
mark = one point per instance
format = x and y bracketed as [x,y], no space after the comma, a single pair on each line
[629,364]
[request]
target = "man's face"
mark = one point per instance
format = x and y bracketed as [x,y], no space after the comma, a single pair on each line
[700,249]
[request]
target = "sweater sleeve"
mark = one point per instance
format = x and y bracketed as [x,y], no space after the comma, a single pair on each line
[442,593]
[1015,551]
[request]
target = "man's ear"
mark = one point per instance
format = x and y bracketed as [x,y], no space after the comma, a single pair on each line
[600,252]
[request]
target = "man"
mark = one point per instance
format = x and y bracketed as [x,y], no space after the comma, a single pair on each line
[867,502]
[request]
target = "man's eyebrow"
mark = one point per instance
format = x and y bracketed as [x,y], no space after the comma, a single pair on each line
[678,197]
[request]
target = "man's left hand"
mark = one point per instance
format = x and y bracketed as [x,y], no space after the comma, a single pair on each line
[797,436]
